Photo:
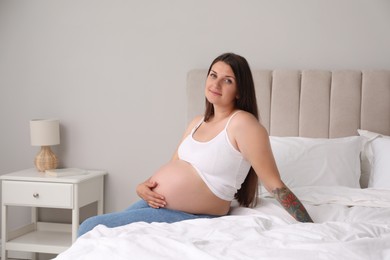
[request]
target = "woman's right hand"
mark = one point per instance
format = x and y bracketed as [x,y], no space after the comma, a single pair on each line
[145,192]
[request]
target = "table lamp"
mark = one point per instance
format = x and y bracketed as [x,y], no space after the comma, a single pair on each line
[45,132]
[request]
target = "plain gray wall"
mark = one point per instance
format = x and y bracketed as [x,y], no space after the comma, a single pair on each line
[114,72]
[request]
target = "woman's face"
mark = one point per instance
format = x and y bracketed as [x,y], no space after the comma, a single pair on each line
[221,85]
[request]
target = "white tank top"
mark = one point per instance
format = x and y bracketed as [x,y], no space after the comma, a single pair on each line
[218,163]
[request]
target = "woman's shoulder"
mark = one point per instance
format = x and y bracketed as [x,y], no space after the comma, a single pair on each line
[243,120]
[244,117]
[195,121]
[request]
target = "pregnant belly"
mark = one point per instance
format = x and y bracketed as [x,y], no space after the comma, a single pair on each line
[185,190]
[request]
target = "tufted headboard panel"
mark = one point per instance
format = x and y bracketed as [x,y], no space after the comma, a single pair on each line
[312,103]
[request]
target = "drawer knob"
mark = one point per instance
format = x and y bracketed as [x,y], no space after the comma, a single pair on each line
[36,195]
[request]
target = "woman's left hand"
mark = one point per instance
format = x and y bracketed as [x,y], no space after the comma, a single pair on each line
[145,192]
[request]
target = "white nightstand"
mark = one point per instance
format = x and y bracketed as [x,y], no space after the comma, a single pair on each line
[33,189]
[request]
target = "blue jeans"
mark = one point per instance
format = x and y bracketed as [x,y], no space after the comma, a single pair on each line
[139,211]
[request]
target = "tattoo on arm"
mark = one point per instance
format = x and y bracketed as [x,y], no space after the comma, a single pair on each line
[292,204]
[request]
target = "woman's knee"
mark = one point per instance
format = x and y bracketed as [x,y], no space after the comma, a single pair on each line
[88,225]
[110,220]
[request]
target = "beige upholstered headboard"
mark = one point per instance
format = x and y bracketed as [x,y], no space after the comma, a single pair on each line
[312,103]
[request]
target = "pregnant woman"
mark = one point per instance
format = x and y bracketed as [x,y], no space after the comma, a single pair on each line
[222,156]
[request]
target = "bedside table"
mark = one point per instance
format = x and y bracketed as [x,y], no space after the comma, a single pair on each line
[31,188]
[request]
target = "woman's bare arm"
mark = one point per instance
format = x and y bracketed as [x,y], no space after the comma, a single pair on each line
[253,141]
[292,204]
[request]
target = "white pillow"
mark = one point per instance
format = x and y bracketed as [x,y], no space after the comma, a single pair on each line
[380,171]
[367,155]
[318,161]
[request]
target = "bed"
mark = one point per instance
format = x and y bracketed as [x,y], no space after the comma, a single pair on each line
[329,132]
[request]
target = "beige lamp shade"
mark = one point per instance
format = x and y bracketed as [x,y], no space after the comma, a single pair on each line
[44,132]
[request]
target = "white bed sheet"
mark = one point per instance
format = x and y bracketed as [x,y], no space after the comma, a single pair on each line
[350,224]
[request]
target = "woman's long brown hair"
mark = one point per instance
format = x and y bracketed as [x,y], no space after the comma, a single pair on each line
[246,195]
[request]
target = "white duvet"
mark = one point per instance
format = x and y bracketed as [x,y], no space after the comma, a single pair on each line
[349,224]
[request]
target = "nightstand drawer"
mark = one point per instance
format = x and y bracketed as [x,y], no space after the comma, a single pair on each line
[57,195]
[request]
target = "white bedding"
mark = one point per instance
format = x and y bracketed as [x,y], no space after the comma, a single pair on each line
[350,224]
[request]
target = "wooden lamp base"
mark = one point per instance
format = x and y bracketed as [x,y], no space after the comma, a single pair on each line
[46,159]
